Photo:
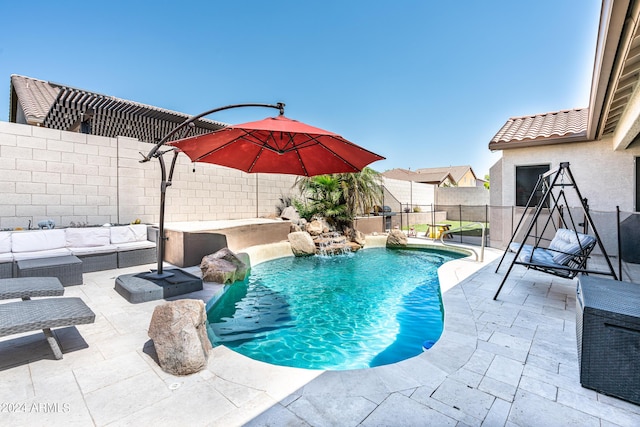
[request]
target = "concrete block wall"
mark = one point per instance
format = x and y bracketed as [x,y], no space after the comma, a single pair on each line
[468,196]
[72,177]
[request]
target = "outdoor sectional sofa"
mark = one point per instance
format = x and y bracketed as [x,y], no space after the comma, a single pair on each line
[99,248]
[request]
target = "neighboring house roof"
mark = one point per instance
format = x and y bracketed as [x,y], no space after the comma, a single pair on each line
[62,107]
[35,97]
[457,172]
[436,178]
[542,129]
[400,174]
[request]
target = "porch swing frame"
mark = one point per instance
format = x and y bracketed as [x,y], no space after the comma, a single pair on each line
[578,263]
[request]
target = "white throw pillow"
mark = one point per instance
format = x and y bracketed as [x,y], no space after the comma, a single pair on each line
[38,240]
[5,242]
[88,237]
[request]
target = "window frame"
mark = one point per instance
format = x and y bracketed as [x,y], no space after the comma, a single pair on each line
[522,199]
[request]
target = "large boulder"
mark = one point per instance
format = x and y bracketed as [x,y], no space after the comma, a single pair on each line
[179,333]
[396,238]
[302,243]
[224,266]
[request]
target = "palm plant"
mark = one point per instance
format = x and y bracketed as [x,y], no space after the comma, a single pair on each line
[339,197]
[361,190]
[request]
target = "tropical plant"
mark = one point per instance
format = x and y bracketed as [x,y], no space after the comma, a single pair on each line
[339,197]
[361,190]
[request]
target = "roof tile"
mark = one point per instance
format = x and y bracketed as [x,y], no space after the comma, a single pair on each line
[36,97]
[542,128]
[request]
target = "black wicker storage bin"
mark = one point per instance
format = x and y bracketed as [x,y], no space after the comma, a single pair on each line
[608,336]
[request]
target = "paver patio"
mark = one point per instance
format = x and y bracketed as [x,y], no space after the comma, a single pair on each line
[511,362]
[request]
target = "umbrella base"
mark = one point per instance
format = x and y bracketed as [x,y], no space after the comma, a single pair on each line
[139,287]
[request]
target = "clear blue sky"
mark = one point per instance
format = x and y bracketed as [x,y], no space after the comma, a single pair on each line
[423,83]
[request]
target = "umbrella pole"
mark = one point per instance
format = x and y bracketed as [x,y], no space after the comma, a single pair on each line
[159,274]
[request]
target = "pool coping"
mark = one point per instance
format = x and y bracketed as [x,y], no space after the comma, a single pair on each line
[451,352]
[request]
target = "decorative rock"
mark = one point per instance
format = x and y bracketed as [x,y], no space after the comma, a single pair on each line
[291,214]
[294,228]
[179,333]
[355,236]
[353,246]
[314,227]
[241,261]
[224,267]
[359,238]
[396,238]
[302,243]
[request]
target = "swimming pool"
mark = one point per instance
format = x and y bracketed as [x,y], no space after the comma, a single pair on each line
[365,309]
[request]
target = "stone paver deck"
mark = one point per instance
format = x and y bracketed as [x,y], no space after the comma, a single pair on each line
[511,362]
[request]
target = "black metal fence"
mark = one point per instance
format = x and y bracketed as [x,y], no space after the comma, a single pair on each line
[618,230]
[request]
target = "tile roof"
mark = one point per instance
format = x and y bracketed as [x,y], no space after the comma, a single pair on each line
[542,129]
[426,177]
[457,172]
[35,96]
[63,107]
[400,174]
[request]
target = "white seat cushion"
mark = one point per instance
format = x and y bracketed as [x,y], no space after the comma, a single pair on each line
[19,256]
[90,250]
[6,257]
[135,245]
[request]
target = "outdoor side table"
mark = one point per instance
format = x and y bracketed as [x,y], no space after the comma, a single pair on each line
[68,268]
[608,336]
[435,231]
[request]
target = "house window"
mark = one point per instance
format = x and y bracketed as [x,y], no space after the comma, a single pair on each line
[526,179]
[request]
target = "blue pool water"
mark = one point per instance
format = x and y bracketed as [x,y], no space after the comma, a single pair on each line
[365,309]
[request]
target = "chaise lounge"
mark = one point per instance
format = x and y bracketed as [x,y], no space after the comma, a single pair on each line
[30,315]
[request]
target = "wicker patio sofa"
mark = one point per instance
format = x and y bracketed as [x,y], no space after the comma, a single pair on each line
[31,315]
[99,248]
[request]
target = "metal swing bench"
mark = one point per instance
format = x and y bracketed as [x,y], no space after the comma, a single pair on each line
[565,255]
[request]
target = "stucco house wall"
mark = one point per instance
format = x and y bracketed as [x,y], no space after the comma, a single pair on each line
[604,176]
[467,180]
[74,177]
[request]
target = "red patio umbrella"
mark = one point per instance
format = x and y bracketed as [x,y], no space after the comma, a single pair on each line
[272,145]
[277,145]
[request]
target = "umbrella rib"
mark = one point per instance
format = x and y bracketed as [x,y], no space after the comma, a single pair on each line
[255,159]
[208,153]
[331,151]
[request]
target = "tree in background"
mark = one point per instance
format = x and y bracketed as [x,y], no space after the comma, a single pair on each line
[486,184]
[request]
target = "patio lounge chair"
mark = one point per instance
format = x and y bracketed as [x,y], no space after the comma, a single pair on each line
[30,315]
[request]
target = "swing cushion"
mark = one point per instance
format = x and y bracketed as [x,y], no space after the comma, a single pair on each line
[540,256]
[567,244]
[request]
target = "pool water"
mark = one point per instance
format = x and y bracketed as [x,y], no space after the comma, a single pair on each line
[359,310]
